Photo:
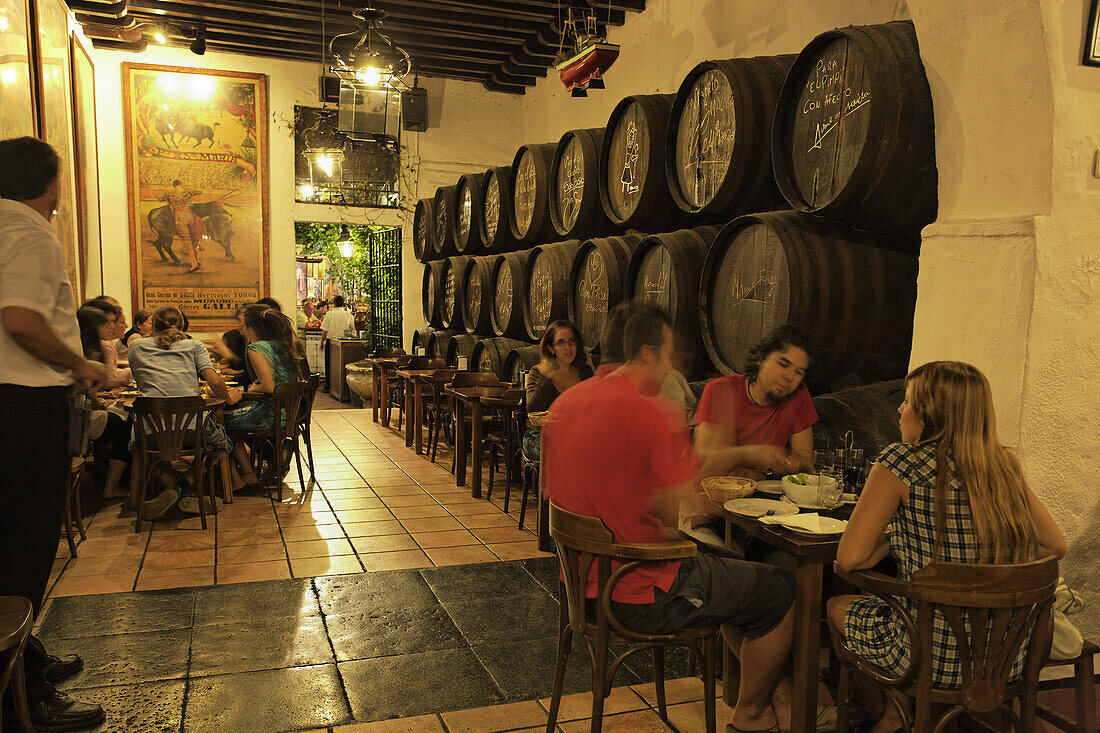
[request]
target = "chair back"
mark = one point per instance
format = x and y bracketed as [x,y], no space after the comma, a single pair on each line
[288,402]
[313,383]
[993,611]
[476,379]
[168,420]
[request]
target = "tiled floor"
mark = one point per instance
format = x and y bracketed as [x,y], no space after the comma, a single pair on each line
[376,506]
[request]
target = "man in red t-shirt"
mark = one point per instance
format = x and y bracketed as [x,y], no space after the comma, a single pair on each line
[762,419]
[614,448]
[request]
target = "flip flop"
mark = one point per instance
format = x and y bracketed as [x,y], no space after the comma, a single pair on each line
[731,728]
[826,719]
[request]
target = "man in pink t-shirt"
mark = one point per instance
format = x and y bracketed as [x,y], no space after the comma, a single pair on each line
[615,449]
[763,419]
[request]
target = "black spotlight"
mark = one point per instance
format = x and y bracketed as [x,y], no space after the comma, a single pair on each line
[198,46]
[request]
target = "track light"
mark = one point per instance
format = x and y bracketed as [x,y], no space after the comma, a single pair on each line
[198,46]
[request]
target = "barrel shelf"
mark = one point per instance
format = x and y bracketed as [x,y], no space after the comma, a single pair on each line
[450,310]
[496,207]
[476,293]
[506,276]
[424,230]
[490,355]
[529,214]
[546,285]
[596,282]
[467,220]
[443,244]
[575,208]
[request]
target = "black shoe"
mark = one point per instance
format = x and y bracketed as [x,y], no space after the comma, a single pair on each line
[58,712]
[59,669]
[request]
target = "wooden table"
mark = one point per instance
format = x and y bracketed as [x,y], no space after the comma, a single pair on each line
[380,395]
[414,405]
[812,555]
[470,397]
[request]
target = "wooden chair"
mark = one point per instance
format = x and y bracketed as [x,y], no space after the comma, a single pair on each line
[437,407]
[74,513]
[501,440]
[470,379]
[313,383]
[1006,608]
[16,620]
[390,371]
[171,431]
[414,362]
[582,542]
[1084,684]
[286,404]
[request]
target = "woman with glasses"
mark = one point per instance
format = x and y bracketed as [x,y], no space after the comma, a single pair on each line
[558,370]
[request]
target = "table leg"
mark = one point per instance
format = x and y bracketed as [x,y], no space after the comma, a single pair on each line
[806,645]
[408,412]
[376,376]
[418,410]
[730,665]
[385,399]
[460,443]
[475,450]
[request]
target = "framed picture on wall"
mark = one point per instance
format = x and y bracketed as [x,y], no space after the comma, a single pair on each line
[17,115]
[197,166]
[55,111]
[86,162]
[1091,56]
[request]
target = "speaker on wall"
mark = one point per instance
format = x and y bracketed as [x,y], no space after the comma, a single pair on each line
[414,109]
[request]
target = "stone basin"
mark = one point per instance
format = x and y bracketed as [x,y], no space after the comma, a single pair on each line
[361,379]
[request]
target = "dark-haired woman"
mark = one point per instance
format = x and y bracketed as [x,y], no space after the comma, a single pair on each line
[559,369]
[143,326]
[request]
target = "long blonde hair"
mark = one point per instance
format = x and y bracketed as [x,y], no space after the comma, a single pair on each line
[955,403]
[168,326]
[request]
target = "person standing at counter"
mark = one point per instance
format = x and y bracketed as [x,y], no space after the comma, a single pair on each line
[334,324]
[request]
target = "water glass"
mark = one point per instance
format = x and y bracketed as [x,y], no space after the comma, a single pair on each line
[830,493]
[823,462]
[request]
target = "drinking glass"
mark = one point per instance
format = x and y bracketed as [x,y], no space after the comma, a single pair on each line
[823,461]
[853,466]
[830,493]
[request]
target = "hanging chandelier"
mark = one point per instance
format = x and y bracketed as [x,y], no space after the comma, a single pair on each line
[324,152]
[374,61]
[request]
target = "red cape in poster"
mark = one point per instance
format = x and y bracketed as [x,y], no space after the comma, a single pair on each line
[197,156]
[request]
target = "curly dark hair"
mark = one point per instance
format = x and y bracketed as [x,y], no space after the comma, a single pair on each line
[777,340]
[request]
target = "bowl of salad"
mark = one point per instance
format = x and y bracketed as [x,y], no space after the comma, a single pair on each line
[802,488]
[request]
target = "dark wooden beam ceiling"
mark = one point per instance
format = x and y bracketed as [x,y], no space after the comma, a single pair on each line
[507,45]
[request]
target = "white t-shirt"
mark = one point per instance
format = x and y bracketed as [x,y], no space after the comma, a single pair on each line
[33,276]
[336,321]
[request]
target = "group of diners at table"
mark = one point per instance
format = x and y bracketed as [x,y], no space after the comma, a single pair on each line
[624,443]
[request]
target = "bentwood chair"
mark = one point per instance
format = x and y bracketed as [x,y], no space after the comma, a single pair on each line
[1084,689]
[470,379]
[389,371]
[171,432]
[16,620]
[280,443]
[437,407]
[414,362]
[584,544]
[305,418]
[502,439]
[993,612]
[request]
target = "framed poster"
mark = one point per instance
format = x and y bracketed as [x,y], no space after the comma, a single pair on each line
[196,157]
[17,115]
[86,149]
[1091,55]
[55,120]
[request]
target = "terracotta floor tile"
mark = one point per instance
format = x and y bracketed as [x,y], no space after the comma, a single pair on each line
[178,559]
[304,520]
[252,571]
[174,578]
[251,553]
[684,689]
[502,534]
[691,716]
[406,500]
[460,555]
[470,508]
[398,490]
[402,560]
[365,502]
[480,521]
[83,566]
[134,544]
[109,531]
[447,492]
[359,493]
[230,537]
[579,705]
[341,483]
[373,529]
[349,516]
[431,524]
[384,543]
[419,724]
[419,512]
[449,538]
[313,506]
[308,567]
[495,718]
[178,541]
[390,478]
[641,721]
[517,550]
[318,548]
[92,584]
[313,532]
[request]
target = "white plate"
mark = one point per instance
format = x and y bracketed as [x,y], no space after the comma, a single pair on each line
[846,499]
[829,527]
[760,507]
[769,487]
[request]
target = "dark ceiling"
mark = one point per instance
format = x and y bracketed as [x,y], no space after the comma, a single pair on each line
[507,45]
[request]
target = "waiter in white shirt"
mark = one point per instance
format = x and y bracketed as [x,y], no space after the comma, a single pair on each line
[334,324]
[40,358]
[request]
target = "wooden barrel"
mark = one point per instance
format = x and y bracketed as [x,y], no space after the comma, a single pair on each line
[633,190]
[433,293]
[519,362]
[664,272]
[496,198]
[466,222]
[490,355]
[450,309]
[529,217]
[596,282]
[444,203]
[437,342]
[420,339]
[546,285]
[477,300]
[506,277]
[575,208]
[448,345]
[424,230]
[851,292]
[854,135]
[717,160]
[870,412]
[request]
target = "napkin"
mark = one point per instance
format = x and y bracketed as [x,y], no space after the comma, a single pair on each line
[809,522]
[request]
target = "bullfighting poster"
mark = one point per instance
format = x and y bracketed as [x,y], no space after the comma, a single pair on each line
[196,155]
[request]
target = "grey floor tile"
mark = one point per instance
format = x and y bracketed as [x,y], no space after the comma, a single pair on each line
[267,599]
[118,613]
[258,644]
[145,706]
[505,617]
[341,594]
[465,582]
[124,659]
[383,633]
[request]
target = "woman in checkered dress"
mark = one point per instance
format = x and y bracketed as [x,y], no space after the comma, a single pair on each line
[949,448]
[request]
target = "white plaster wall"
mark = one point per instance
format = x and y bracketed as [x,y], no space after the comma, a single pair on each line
[458,141]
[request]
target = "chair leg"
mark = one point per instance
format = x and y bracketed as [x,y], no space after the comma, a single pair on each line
[19,690]
[196,477]
[659,681]
[565,640]
[526,491]
[78,510]
[492,470]
[507,479]
[599,679]
[309,449]
[709,660]
[227,481]
[844,698]
[137,487]
[69,517]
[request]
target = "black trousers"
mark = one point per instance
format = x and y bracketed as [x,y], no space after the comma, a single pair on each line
[34,480]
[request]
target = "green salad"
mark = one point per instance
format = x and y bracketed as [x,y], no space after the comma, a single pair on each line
[799,478]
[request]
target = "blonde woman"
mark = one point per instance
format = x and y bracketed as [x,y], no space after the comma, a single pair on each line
[949,458]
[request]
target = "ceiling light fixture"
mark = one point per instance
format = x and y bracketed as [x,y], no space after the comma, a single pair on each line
[160,38]
[375,60]
[345,242]
[198,46]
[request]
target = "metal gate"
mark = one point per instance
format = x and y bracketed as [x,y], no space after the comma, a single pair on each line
[385,286]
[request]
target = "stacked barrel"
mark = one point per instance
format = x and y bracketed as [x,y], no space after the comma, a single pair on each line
[767,190]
